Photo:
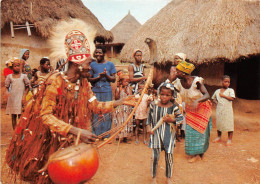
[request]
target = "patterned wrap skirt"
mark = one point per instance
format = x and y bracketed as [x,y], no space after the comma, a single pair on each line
[195,142]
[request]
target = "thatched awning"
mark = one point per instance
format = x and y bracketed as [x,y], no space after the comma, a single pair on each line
[125,29]
[206,30]
[44,14]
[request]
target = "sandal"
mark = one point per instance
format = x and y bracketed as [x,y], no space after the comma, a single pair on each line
[145,142]
[136,142]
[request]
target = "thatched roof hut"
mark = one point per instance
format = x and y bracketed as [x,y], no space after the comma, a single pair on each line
[124,29]
[206,30]
[122,32]
[45,14]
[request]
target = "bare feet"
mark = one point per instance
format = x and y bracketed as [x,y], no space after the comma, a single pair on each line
[170,181]
[203,158]
[154,181]
[216,140]
[229,143]
[194,159]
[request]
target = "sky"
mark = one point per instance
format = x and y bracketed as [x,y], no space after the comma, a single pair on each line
[110,12]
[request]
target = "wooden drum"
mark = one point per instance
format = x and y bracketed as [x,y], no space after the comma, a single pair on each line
[73,165]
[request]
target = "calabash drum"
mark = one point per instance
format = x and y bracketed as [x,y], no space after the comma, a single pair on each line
[73,164]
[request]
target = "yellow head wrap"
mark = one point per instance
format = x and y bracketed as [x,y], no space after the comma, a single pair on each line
[185,67]
[14,60]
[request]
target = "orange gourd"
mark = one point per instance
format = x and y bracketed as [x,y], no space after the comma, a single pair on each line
[73,165]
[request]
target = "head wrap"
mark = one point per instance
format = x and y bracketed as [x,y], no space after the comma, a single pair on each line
[166,84]
[15,60]
[77,47]
[136,50]
[185,67]
[182,56]
[22,53]
[9,62]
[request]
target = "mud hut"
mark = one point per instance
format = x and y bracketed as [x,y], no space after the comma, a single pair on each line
[28,24]
[218,36]
[122,32]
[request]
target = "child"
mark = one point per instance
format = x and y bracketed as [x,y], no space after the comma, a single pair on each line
[163,138]
[123,111]
[224,113]
[19,82]
[141,114]
[8,70]
[43,73]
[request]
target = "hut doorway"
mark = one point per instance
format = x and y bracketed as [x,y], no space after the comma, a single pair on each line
[245,75]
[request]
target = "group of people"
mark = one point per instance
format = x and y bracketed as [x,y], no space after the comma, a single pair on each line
[80,102]
[21,82]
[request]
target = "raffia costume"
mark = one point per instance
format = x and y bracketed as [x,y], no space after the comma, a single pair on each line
[46,121]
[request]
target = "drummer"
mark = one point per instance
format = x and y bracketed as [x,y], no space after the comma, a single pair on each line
[61,110]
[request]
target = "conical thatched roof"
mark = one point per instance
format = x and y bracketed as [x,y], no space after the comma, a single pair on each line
[206,30]
[46,13]
[124,29]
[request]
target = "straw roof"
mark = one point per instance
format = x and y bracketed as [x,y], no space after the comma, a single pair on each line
[124,29]
[44,14]
[206,30]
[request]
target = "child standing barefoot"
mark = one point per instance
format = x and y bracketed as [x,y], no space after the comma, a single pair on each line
[123,111]
[141,114]
[19,82]
[163,138]
[224,113]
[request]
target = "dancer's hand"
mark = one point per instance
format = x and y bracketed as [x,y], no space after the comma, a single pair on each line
[129,100]
[85,135]
[195,104]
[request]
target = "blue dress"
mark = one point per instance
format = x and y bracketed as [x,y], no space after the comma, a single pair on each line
[103,92]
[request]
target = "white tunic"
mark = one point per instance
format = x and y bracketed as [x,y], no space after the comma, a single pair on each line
[224,111]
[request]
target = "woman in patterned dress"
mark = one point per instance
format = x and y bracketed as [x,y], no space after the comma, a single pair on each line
[198,111]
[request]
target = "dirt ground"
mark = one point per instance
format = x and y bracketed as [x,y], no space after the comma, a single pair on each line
[122,163]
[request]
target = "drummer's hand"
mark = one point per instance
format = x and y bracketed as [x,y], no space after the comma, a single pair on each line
[85,135]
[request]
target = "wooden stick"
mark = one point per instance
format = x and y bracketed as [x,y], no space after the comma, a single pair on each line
[28,28]
[12,29]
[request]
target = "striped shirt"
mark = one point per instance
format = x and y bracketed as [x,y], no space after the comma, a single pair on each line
[164,137]
[138,70]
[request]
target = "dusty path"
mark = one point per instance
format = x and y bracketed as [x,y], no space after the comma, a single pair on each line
[130,164]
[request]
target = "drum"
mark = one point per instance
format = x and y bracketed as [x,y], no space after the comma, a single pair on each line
[73,165]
